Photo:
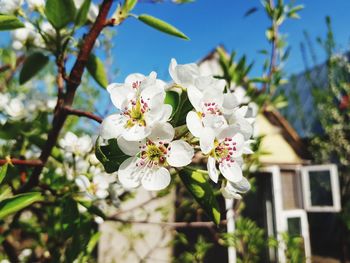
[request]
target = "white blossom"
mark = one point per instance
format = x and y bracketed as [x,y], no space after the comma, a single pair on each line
[97,189]
[228,147]
[35,4]
[234,190]
[151,159]
[10,6]
[77,145]
[140,101]
[15,109]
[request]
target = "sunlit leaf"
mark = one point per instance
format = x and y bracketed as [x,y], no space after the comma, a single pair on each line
[161,26]
[60,12]
[18,202]
[8,22]
[82,13]
[97,70]
[3,172]
[199,187]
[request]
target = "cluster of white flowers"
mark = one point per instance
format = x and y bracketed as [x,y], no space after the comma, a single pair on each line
[143,131]
[93,182]
[20,107]
[29,36]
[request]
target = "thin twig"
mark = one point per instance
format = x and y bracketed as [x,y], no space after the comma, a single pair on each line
[22,162]
[177,225]
[82,113]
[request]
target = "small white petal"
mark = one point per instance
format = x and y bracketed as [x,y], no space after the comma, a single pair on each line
[129,147]
[195,96]
[206,140]
[136,133]
[230,102]
[212,171]
[162,132]
[82,182]
[194,124]
[135,77]
[156,179]
[101,193]
[160,114]
[180,153]
[242,186]
[120,94]
[112,126]
[231,171]
[129,174]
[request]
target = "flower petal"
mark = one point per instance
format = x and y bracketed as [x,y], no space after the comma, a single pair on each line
[194,123]
[195,96]
[162,132]
[180,153]
[101,193]
[135,77]
[156,179]
[242,186]
[206,140]
[212,171]
[120,94]
[129,174]
[82,182]
[231,171]
[136,133]
[112,126]
[129,147]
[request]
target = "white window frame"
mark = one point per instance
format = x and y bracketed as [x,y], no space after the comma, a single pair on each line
[333,171]
[300,213]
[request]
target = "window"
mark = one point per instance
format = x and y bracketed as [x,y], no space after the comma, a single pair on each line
[321,188]
[297,226]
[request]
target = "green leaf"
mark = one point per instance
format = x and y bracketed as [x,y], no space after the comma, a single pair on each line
[32,66]
[129,5]
[183,108]
[82,13]
[3,172]
[96,69]
[161,26]
[18,202]
[69,217]
[60,12]
[8,22]
[93,242]
[199,187]
[110,155]
[5,192]
[172,98]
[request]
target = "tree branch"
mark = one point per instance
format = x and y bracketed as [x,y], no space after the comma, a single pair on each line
[82,113]
[72,83]
[177,225]
[22,162]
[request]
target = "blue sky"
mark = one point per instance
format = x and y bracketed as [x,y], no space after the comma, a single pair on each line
[139,48]
[208,23]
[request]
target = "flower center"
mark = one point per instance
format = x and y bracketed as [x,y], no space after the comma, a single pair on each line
[210,108]
[136,113]
[153,154]
[224,150]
